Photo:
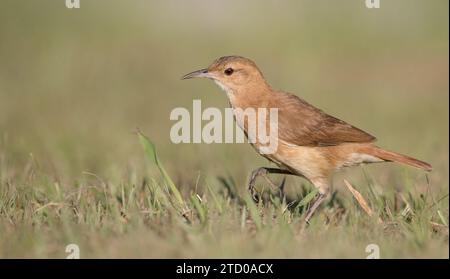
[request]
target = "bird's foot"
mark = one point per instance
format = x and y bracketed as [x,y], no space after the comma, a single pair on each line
[264,173]
[251,183]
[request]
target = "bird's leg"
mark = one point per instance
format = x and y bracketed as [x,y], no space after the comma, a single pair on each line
[314,207]
[263,172]
[281,188]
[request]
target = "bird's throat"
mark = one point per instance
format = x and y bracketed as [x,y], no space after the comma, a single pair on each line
[248,96]
[228,90]
[224,87]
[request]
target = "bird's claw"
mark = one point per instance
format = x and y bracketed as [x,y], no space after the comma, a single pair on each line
[255,195]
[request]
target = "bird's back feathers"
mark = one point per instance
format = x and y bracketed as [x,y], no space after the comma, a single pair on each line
[302,124]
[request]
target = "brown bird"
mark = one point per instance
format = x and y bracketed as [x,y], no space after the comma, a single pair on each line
[311,143]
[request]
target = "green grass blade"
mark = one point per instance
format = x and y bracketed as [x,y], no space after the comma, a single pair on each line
[253,210]
[308,198]
[199,207]
[442,218]
[215,199]
[150,151]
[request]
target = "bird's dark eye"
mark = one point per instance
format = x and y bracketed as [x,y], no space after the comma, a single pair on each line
[229,71]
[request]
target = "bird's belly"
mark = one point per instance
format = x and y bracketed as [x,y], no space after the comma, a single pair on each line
[309,162]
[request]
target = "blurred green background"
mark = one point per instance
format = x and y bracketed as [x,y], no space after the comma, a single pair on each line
[74,84]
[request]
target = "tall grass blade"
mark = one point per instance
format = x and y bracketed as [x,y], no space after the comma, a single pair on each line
[150,151]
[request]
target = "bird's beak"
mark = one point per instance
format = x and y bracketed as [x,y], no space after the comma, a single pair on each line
[203,73]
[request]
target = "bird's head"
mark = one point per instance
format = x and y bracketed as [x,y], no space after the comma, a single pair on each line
[231,73]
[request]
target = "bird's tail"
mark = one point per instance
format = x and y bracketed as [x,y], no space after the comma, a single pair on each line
[391,156]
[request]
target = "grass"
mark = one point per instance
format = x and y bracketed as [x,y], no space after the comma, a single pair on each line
[149,217]
[74,84]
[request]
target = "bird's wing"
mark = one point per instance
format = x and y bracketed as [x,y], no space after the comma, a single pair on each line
[302,124]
